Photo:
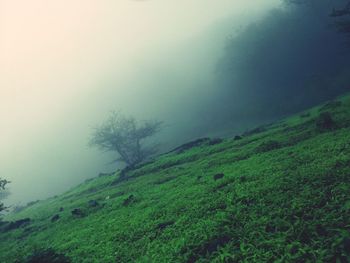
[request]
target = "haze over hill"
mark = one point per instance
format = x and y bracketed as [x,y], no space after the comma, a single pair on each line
[206,68]
[66,64]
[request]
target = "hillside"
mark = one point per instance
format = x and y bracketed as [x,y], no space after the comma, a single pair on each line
[278,193]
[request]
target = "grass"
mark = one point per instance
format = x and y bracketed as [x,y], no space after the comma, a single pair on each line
[284,197]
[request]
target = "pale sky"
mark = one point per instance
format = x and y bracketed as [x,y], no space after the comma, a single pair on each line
[59,61]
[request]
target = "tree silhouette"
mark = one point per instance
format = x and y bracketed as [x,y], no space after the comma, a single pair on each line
[3,183]
[126,136]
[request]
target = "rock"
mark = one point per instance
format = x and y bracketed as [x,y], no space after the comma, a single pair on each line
[164,225]
[55,218]
[190,145]
[107,174]
[32,203]
[242,179]
[77,212]
[107,197]
[255,131]
[17,224]
[117,194]
[89,180]
[123,176]
[218,176]
[129,200]
[159,228]
[165,180]
[93,203]
[267,146]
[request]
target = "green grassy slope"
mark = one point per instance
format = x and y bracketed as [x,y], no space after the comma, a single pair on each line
[284,197]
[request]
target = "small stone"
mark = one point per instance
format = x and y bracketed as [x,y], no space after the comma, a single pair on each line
[77,212]
[129,200]
[55,218]
[93,203]
[218,176]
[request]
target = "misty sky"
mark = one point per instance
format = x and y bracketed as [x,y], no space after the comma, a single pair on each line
[65,64]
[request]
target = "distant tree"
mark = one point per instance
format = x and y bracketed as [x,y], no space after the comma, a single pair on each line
[340,12]
[343,14]
[3,194]
[126,136]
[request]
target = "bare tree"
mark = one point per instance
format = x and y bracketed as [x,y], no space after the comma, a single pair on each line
[126,136]
[3,183]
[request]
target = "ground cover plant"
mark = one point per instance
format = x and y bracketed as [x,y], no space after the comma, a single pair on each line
[278,194]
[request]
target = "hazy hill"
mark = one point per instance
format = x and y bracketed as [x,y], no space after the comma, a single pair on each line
[280,193]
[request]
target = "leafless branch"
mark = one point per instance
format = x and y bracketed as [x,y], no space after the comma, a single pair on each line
[125,135]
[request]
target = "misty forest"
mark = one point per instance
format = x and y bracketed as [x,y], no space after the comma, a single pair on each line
[174,131]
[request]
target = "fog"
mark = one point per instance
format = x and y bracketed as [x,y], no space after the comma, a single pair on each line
[291,59]
[66,64]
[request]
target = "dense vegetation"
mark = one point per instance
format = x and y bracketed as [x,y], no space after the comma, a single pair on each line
[280,193]
[276,66]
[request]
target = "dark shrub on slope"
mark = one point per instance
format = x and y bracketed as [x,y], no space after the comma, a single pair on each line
[325,122]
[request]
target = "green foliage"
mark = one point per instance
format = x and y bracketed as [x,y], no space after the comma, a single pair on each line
[274,204]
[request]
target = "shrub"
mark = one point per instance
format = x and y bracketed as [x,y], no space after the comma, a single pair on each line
[325,122]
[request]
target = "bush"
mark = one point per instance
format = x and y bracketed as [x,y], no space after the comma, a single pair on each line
[325,122]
